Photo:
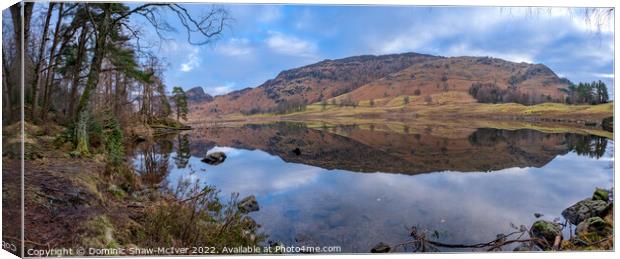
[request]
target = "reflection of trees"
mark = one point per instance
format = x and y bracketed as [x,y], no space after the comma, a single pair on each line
[153,167]
[587,145]
[183,151]
[583,145]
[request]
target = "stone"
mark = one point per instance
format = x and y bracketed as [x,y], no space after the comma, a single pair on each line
[594,225]
[584,209]
[381,248]
[545,231]
[601,194]
[248,204]
[214,158]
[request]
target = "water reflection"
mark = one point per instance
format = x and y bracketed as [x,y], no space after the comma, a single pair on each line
[319,197]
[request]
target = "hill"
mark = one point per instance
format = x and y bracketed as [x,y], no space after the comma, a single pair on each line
[309,84]
[377,80]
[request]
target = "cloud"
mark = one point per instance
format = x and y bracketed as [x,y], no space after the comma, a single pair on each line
[603,75]
[235,47]
[220,90]
[192,60]
[269,13]
[290,45]
[464,49]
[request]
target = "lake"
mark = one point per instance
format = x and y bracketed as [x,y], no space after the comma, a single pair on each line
[354,186]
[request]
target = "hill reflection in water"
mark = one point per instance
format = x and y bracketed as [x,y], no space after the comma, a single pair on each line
[328,195]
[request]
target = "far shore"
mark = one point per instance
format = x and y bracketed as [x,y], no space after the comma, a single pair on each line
[546,117]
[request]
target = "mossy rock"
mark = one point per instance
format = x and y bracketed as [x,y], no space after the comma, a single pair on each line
[594,225]
[545,232]
[585,209]
[601,194]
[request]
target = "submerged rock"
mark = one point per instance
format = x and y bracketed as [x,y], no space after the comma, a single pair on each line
[594,225]
[248,204]
[601,194]
[381,248]
[546,231]
[214,158]
[584,209]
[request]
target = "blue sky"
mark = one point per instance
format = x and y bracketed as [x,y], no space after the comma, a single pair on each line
[266,39]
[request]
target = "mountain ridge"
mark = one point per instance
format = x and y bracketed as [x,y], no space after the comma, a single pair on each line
[366,77]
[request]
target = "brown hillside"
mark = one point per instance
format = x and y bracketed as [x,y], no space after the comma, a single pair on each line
[309,84]
[527,83]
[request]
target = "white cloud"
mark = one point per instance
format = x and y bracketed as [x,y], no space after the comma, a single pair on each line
[269,13]
[603,75]
[463,49]
[290,45]
[191,61]
[235,47]
[220,90]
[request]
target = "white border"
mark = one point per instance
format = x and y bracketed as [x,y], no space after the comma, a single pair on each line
[566,3]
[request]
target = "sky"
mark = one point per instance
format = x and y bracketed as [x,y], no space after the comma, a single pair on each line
[263,40]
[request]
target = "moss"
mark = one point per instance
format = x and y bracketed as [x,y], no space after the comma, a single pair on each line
[99,233]
[117,192]
[601,194]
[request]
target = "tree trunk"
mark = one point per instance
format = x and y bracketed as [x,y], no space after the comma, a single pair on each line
[20,38]
[93,76]
[99,52]
[76,71]
[7,91]
[37,68]
[49,81]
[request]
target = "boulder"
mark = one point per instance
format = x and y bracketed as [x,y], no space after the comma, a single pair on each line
[601,194]
[381,248]
[594,225]
[546,232]
[248,204]
[584,209]
[214,158]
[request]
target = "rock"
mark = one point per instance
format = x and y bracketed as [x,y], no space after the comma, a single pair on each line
[601,194]
[594,225]
[584,209]
[381,248]
[214,158]
[297,151]
[248,204]
[546,231]
[608,124]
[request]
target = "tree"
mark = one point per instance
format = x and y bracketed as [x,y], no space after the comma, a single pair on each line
[180,102]
[601,92]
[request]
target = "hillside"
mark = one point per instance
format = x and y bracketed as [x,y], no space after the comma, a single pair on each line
[498,81]
[366,79]
[197,94]
[309,84]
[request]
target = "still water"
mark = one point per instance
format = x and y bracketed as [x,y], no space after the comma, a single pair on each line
[356,186]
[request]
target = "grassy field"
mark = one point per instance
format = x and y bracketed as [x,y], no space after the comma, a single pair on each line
[449,110]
